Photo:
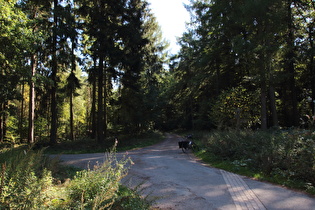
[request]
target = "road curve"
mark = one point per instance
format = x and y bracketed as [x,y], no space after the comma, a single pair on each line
[179,181]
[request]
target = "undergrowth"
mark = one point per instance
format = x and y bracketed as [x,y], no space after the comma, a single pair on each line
[31,180]
[285,157]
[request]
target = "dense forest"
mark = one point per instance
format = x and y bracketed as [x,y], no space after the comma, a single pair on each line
[98,68]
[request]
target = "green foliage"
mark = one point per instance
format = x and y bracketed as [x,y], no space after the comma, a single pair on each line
[29,180]
[227,42]
[23,179]
[287,156]
[236,108]
[97,188]
[130,199]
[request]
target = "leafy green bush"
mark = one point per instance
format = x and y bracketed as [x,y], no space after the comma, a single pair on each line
[30,180]
[98,188]
[286,155]
[130,199]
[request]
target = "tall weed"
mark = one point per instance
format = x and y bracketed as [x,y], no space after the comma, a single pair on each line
[97,188]
[28,181]
[23,179]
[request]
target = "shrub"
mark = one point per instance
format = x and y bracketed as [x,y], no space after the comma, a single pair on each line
[298,156]
[98,188]
[288,154]
[130,199]
[27,182]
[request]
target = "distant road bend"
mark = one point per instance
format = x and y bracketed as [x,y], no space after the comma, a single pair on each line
[179,182]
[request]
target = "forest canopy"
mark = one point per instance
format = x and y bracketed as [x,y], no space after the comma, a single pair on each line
[97,68]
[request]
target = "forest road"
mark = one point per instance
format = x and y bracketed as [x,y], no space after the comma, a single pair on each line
[178,181]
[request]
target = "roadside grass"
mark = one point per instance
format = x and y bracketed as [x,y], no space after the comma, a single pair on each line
[285,158]
[29,179]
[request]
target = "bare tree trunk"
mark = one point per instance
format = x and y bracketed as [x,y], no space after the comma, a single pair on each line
[263,71]
[31,112]
[22,113]
[3,119]
[53,129]
[272,97]
[263,99]
[100,105]
[71,118]
[217,77]
[275,120]
[72,138]
[290,99]
[93,109]
[105,102]
[1,123]
[312,63]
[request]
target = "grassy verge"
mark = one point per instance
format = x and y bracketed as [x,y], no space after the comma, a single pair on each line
[284,157]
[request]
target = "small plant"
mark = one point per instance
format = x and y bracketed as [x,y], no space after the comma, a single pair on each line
[130,199]
[23,179]
[97,188]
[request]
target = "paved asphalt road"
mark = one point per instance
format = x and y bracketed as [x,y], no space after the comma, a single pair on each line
[178,181]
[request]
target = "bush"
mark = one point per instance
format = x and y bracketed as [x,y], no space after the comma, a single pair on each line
[98,188]
[28,181]
[288,154]
[130,199]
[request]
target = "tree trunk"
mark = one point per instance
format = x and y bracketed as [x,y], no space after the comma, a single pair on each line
[263,99]
[54,115]
[1,123]
[105,104]
[100,105]
[290,100]
[272,97]
[72,138]
[264,70]
[3,119]
[71,118]
[22,113]
[312,65]
[93,108]
[31,111]
[275,120]
[217,77]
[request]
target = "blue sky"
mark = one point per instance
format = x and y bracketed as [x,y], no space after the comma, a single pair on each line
[171,16]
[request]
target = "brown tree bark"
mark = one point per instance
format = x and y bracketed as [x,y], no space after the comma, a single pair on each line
[100,104]
[53,128]
[290,95]
[31,112]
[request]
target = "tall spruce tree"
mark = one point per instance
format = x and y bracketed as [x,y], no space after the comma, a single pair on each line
[142,61]
[37,12]
[101,20]
[133,37]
